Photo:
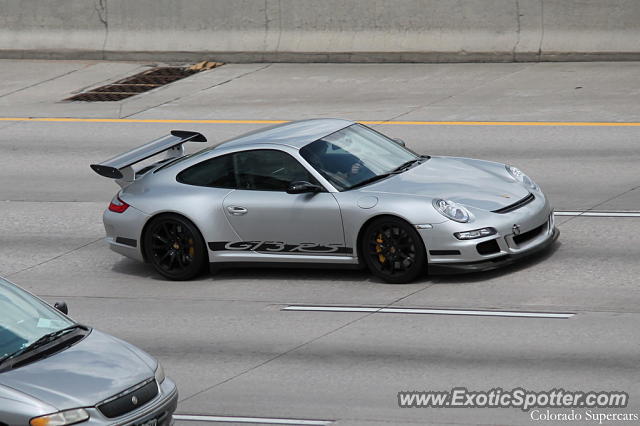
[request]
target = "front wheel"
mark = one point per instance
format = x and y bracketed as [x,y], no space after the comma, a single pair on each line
[175,248]
[393,250]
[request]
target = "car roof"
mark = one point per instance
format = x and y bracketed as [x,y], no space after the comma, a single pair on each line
[295,133]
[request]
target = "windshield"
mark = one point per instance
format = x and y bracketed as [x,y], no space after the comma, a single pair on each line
[355,155]
[24,319]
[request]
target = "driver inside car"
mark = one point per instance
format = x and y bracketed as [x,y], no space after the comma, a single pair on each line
[336,161]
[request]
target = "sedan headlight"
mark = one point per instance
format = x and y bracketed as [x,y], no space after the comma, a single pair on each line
[517,174]
[159,373]
[452,210]
[63,418]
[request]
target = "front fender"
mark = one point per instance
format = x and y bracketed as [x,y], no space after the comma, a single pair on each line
[17,408]
[358,208]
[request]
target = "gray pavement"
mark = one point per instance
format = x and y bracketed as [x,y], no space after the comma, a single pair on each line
[225,339]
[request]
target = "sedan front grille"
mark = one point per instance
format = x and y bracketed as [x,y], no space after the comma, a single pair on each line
[511,207]
[129,400]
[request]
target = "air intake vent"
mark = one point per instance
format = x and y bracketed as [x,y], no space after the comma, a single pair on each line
[488,247]
[528,236]
[526,200]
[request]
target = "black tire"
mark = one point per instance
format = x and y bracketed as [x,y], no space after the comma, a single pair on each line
[393,250]
[175,248]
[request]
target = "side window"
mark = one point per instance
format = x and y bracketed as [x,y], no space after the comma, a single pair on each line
[268,170]
[216,172]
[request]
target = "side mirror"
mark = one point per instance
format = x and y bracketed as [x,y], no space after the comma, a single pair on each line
[399,141]
[62,307]
[302,187]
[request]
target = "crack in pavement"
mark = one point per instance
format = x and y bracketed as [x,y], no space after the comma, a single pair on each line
[295,348]
[453,95]
[53,258]
[279,303]
[101,9]
[195,93]
[45,81]
[541,29]
[518,29]
[597,205]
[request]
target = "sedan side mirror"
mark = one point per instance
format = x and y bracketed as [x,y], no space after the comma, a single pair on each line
[302,187]
[399,141]
[62,307]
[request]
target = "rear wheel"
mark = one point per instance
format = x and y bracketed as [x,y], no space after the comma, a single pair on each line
[393,250]
[175,248]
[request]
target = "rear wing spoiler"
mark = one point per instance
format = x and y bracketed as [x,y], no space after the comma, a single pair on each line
[119,167]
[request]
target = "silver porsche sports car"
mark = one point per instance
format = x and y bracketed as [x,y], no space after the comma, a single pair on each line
[320,192]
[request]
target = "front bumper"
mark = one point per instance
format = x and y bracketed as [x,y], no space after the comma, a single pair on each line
[160,409]
[493,263]
[519,233]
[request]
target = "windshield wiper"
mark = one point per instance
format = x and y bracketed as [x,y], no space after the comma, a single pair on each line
[404,166]
[43,340]
[370,180]
[401,168]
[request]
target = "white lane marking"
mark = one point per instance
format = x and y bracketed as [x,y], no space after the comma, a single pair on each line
[517,314]
[259,420]
[597,214]
[331,308]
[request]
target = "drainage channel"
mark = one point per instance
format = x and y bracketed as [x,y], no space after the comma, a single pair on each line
[462,312]
[252,420]
[141,82]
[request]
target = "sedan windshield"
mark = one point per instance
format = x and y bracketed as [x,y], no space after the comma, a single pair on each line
[24,319]
[355,156]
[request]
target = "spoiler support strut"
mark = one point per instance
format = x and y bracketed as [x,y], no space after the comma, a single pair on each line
[119,166]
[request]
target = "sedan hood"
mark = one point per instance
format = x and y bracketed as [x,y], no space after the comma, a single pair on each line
[473,183]
[92,370]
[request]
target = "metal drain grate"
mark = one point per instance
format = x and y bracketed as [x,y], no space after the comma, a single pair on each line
[125,88]
[140,83]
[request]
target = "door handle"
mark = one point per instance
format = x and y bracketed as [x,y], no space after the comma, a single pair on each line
[237,210]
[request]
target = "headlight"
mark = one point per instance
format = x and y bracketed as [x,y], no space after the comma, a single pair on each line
[517,174]
[452,210]
[159,373]
[476,233]
[62,418]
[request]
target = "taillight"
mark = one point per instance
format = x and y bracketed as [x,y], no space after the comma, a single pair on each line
[117,205]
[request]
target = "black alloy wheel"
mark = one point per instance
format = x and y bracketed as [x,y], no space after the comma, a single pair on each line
[175,248]
[393,250]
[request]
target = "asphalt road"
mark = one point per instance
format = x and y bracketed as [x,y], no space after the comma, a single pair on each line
[225,338]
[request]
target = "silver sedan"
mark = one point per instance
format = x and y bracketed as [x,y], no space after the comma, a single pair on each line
[56,372]
[320,192]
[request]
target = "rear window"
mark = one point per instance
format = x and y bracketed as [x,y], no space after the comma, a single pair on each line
[215,172]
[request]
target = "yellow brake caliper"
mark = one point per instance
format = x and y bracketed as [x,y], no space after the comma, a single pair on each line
[192,250]
[379,241]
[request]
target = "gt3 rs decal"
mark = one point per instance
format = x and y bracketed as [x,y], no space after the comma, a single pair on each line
[280,247]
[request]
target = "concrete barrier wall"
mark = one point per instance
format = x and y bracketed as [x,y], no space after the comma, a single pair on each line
[322,30]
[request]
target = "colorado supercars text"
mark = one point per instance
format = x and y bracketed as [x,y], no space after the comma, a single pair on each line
[461,397]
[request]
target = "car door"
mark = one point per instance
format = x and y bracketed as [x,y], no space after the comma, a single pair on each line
[269,220]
